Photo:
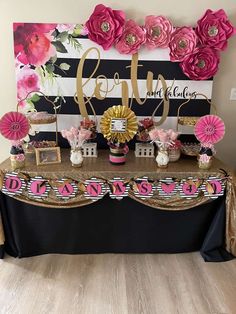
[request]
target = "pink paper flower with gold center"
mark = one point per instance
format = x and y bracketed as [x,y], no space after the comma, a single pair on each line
[183,41]
[159,30]
[132,38]
[214,29]
[202,64]
[105,26]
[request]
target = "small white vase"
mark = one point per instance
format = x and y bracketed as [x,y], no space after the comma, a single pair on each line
[162,158]
[76,157]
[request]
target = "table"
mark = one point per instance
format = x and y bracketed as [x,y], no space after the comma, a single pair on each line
[130,225]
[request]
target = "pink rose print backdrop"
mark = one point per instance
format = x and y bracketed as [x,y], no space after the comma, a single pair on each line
[47,57]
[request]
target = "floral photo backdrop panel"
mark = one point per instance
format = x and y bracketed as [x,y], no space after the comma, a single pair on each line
[47,57]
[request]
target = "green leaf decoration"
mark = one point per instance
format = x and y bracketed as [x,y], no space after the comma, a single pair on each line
[53,59]
[64,66]
[74,43]
[35,98]
[55,33]
[59,46]
[50,68]
[62,36]
[29,102]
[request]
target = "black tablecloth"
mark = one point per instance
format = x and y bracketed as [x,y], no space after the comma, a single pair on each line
[111,226]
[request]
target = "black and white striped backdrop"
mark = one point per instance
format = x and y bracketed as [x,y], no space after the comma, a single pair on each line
[156,61]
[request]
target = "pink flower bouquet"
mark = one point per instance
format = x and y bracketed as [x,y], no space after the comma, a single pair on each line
[144,126]
[76,137]
[163,138]
[90,125]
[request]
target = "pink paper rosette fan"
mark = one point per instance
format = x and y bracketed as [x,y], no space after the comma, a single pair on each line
[14,126]
[209,129]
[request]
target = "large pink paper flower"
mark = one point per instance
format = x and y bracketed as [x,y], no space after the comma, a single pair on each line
[159,29]
[202,64]
[132,38]
[27,81]
[105,25]
[32,43]
[214,29]
[209,129]
[182,43]
[14,126]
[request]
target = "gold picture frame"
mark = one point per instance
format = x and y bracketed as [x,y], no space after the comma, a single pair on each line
[48,155]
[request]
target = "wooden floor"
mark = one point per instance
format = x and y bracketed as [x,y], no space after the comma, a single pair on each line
[108,284]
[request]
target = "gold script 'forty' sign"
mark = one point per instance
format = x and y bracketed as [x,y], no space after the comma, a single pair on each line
[101,89]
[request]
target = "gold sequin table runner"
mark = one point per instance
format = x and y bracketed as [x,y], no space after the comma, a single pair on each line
[134,168]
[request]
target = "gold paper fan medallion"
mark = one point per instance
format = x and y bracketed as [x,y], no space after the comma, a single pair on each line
[119,123]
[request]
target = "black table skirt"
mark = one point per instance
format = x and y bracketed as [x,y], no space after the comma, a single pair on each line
[111,226]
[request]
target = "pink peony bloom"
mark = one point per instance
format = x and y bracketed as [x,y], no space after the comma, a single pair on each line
[214,29]
[27,81]
[159,29]
[182,43]
[154,134]
[132,38]
[202,64]
[32,43]
[105,25]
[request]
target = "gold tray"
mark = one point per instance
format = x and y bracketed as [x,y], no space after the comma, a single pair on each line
[190,149]
[190,121]
[48,120]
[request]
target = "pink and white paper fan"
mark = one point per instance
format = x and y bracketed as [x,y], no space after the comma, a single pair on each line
[209,129]
[14,126]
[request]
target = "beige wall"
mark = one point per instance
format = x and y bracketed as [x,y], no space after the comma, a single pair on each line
[181,12]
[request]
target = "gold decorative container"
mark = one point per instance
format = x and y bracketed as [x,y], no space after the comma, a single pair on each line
[205,165]
[174,154]
[16,163]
